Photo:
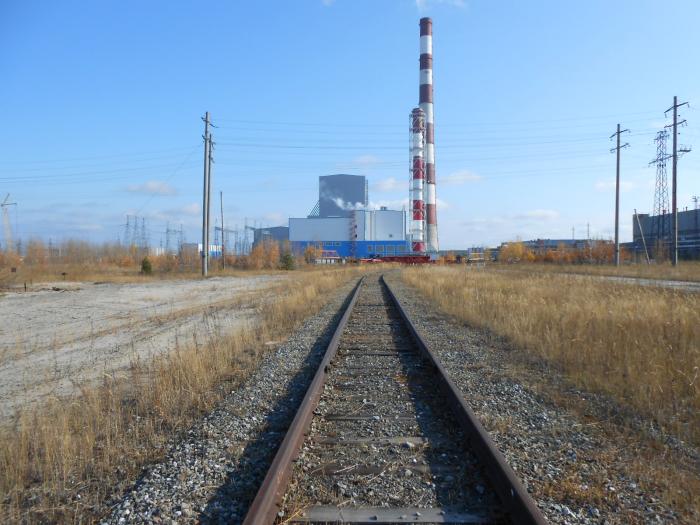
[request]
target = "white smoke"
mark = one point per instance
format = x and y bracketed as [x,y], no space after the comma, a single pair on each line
[348,206]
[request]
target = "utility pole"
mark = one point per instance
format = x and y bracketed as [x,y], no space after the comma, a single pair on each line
[674,181]
[641,232]
[223,233]
[617,148]
[205,199]
[695,213]
[211,161]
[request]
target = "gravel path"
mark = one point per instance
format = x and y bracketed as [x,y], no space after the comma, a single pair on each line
[381,439]
[212,473]
[566,463]
[55,340]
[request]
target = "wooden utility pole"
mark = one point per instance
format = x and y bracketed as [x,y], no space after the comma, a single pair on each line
[617,148]
[223,233]
[674,181]
[205,198]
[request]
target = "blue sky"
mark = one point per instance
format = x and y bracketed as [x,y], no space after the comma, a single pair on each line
[100,104]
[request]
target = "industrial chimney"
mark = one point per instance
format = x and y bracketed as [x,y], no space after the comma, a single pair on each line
[417,141]
[426,104]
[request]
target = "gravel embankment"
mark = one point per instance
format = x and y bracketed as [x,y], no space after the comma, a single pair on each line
[566,463]
[380,438]
[211,474]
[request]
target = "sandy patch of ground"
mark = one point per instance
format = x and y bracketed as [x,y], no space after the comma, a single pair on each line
[54,340]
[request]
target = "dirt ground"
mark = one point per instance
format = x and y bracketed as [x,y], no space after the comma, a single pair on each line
[66,334]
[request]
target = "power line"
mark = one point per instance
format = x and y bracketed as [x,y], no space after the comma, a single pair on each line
[78,159]
[373,125]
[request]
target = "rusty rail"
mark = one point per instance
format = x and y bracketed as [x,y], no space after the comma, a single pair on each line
[267,501]
[517,503]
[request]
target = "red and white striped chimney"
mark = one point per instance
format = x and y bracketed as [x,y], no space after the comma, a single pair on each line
[426,104]
[417,131]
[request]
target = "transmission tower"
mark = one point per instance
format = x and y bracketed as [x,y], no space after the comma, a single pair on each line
[171,234]
[661,225]
[6,222]
[143,241]
[127,232]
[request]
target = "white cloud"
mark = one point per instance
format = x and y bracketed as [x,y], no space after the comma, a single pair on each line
[484,224]
[424,4]
[538,215]
[274,218]
[90,227]
[186,214]
[458,178]
[190,209]
[609,185]
[390,184]
[366,160]
[152,187]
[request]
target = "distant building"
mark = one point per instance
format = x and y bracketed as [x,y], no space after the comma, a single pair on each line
[279,234]
[196,248]
[365,233]
[544,245]
[655,231]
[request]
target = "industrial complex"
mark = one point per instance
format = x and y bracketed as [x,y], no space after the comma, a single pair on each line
[342,225]
[652,234]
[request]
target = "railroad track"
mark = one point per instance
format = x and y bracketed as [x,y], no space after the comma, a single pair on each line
[383,436]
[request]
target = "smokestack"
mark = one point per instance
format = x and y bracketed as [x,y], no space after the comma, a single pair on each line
[426,104]
[417,130]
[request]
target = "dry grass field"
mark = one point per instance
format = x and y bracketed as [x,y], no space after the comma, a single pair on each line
[639,345]
[61,460]
[685,271]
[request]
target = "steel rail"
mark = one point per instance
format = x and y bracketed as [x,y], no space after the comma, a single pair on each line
[517,503]
[267,501]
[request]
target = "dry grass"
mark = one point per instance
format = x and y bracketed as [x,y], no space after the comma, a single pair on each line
[639,345]
[33,276]
[685,271]
[60,462]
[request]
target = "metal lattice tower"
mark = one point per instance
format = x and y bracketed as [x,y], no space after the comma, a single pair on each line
[661,225]
[9,247]
[171,243]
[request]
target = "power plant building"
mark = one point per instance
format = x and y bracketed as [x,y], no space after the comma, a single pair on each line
[341,223]
[654,231]
[345,227]
[339,194]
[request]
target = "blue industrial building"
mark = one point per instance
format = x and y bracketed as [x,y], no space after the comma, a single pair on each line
[361,249]
[344,227]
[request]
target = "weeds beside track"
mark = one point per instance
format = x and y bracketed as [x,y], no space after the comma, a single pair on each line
[60,462]
[640,345]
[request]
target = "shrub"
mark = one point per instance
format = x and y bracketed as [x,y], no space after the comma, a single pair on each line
[287,261]
[146,267]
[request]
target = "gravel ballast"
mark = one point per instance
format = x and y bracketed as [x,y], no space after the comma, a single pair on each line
[564,462]
[381,437]
[211,474]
